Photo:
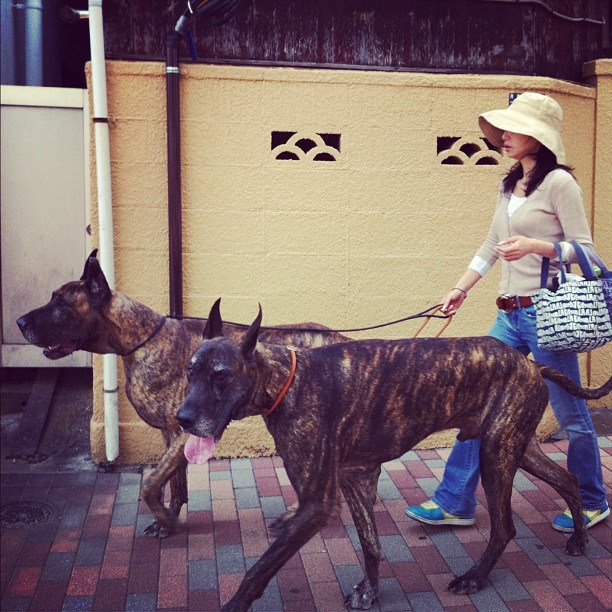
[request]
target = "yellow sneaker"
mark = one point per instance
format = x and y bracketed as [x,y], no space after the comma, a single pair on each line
[431,514]
[564,522]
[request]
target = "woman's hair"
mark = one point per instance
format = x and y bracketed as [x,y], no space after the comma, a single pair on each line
[546,161]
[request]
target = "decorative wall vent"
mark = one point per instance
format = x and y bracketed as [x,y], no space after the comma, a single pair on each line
[453,150]
[305,146]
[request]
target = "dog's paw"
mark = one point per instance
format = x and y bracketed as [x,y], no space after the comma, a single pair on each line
[576,545]
[361,597]
[157,530]
[467,584]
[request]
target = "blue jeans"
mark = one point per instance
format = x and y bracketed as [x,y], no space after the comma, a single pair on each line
[456,492]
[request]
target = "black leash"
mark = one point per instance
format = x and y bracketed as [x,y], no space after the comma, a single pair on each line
[420,315]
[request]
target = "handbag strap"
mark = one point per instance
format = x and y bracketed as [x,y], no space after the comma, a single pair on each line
[598,261]
[584,262]
[546,267]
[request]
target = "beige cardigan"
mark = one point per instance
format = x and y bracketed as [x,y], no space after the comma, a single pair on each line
[553,212]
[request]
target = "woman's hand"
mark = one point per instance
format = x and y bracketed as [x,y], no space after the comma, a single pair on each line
[453,300]
[515,247]
[456,296]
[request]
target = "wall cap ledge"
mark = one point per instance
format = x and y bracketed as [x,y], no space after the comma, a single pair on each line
[600,67]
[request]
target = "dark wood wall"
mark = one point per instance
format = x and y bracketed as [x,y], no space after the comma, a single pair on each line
[477,36]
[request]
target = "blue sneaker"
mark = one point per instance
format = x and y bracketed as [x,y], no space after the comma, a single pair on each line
[431,514]
[564,522]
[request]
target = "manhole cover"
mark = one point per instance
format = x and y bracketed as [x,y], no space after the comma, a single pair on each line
[21,515]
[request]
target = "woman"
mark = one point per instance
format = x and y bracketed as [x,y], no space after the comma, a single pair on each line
[539,203]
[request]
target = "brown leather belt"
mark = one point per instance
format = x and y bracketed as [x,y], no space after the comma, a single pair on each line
[508,303]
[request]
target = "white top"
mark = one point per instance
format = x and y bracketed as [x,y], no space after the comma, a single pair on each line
[515,203]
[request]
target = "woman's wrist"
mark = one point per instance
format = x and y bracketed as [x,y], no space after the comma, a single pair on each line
[544,248]
[459,289]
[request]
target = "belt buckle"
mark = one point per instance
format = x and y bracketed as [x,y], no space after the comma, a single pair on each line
[501,304]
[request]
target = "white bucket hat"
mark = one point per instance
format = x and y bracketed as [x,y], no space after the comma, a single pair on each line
[532,114]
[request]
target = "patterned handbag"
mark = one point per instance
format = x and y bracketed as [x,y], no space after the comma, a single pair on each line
[574,318]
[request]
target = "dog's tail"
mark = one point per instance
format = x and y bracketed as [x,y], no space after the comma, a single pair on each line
[571,387]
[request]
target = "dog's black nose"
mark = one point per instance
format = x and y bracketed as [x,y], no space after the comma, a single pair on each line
[22,323]
[186,416]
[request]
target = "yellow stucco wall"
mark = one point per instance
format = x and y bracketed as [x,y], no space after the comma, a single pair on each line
[598,74]
[382,232]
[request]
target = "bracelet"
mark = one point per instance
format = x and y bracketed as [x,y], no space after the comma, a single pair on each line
[462,291]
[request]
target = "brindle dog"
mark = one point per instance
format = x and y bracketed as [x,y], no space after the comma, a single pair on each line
[87,315]
[352,406]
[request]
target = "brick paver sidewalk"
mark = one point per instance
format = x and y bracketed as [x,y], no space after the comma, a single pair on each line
[92,555]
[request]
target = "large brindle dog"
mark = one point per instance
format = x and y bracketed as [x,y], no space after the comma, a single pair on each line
[347,408]
[87,315]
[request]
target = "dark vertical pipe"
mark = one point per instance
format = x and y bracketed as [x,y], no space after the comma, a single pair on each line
[175,240]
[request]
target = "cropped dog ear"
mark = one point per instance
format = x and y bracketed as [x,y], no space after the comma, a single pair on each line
[96,283]
[250,338]
[214,325]
[92,255]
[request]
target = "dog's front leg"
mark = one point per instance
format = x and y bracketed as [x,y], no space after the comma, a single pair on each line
[152,490]
[178,483]
[309,519]
[360,494]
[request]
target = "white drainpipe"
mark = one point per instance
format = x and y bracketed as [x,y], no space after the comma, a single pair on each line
[105,213]
[33,42]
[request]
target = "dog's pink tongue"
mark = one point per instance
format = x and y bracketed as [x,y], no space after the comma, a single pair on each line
[199,450]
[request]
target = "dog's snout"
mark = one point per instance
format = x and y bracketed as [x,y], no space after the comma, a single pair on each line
[22,323]
[186,415]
